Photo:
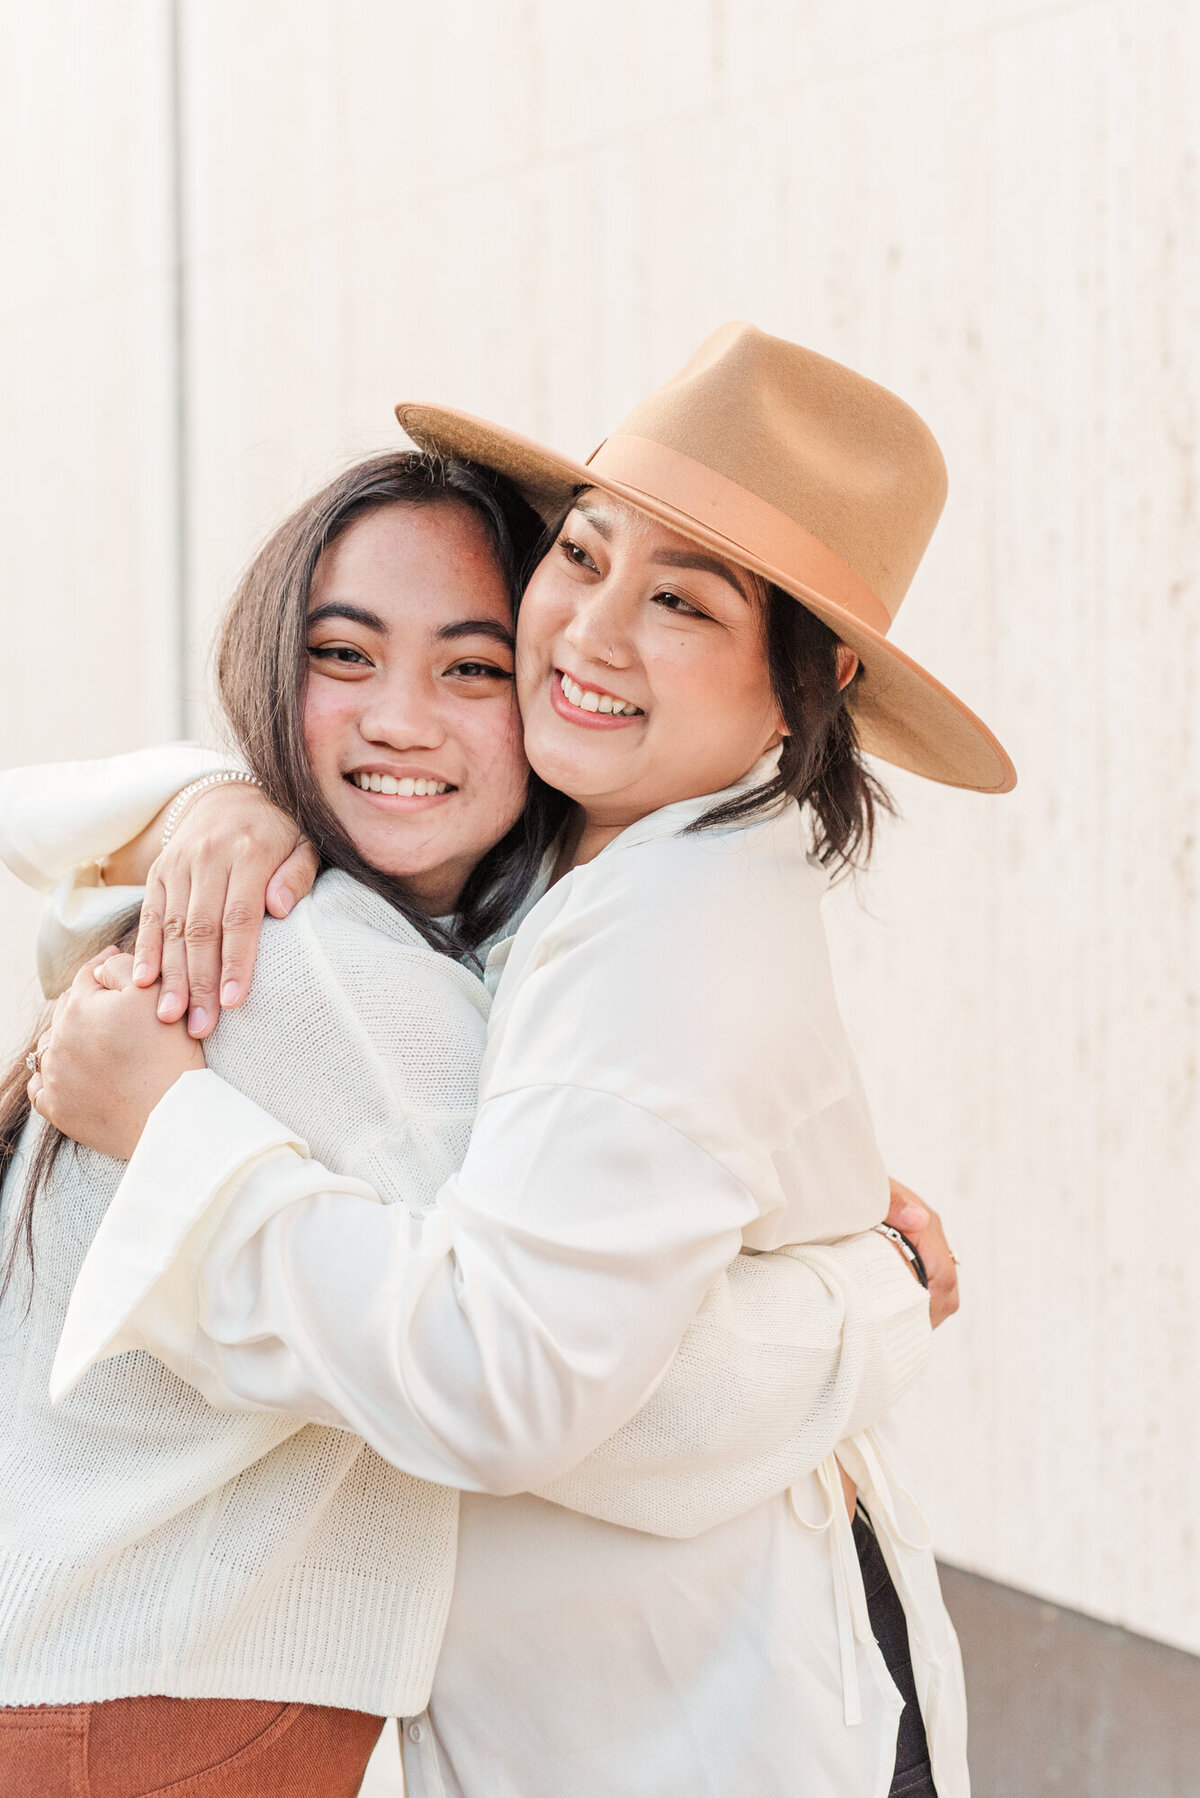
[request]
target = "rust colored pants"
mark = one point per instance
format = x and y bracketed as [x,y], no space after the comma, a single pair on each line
[187,1747]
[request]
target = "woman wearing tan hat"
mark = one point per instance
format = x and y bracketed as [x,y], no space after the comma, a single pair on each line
[666,1083]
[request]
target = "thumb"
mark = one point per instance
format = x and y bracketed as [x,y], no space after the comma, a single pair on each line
[292,880]
[115,973]
[906,1212]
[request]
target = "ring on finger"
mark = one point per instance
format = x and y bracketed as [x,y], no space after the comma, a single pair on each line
[33,1061]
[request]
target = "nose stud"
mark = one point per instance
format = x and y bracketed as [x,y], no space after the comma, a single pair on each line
[610,655]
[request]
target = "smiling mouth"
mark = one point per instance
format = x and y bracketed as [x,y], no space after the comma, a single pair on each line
[402,787]
[595,699]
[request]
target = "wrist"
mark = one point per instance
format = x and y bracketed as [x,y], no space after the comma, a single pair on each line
[196,789]
[907,1249]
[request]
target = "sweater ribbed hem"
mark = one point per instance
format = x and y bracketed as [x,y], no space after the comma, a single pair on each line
[321,1638]
[896,1307]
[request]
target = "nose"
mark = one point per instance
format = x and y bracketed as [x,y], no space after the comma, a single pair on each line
[403,713]
[598,630]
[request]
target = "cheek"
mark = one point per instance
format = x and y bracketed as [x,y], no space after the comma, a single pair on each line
[545,608]
[720,694]
[492,738]
[329,710]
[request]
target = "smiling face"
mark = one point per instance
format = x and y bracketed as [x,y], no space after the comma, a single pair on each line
[642,668]
[410,717]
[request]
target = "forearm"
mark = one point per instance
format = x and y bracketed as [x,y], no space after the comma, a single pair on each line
[791,1353]
[59,815]
[490,1343]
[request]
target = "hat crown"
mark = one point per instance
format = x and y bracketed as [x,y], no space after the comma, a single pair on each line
[837,454]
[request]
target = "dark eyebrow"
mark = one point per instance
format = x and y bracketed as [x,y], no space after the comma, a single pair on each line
[669,558]
[475,627]
[696,558]
[338,608]
[595,517]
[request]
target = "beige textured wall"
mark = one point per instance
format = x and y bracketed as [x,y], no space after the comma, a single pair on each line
[535,210]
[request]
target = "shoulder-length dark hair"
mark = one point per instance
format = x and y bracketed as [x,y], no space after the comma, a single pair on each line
[262,673]
[821,765]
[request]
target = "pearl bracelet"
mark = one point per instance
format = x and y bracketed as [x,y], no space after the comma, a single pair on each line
[184,798]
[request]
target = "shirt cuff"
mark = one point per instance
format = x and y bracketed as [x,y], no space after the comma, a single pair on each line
[896,1305]
[200,1136]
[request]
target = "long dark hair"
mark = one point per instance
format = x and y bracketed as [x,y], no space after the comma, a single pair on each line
[262,670]
[15,1112]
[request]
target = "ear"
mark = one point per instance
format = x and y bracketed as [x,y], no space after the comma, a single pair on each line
[847,666]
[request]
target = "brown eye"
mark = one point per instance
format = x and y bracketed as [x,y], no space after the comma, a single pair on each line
[340,654]
[575,553]
[675,602]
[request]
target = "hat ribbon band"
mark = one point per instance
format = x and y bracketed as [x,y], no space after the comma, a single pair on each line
[750,525]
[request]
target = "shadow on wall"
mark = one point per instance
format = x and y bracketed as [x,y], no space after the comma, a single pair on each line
[1061,1704]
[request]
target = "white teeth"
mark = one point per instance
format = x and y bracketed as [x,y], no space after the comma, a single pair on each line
[589,701]
[408,788]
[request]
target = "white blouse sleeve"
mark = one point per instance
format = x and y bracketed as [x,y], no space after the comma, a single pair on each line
[57,815]
[489,1343]
[58,818]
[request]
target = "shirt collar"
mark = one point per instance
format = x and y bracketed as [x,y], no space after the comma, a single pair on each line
[670,820]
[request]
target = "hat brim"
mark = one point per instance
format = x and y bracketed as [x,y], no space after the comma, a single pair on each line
[902,713]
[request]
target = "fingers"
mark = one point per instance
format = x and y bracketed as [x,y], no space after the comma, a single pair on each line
[907,1212]
[240,927]
[202,933]
[35,1085]
[292,880]
[148,949]
[115,972]
[173,911]
[943,1289]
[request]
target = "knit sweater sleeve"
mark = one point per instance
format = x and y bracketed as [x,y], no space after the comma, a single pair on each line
[792,1352]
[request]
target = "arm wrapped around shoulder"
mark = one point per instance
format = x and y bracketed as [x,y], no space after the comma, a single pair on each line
[791,1352]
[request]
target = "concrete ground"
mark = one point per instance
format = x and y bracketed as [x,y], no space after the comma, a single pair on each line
[1063,1705]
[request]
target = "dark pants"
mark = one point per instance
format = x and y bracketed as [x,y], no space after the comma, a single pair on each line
[913,1777]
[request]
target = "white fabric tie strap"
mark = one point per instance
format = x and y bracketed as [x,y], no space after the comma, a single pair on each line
[887,1498]
[849,1594]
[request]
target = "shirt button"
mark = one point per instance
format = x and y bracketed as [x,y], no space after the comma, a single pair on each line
[415,1732]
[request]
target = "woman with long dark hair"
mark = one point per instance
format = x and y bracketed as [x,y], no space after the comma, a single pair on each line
[666,1083]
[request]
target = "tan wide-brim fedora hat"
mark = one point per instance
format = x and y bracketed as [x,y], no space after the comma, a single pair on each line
[788,464]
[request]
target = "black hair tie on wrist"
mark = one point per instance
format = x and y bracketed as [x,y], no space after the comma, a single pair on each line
[909,1250]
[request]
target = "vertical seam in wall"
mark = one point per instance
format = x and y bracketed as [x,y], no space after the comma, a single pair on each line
[181,597]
